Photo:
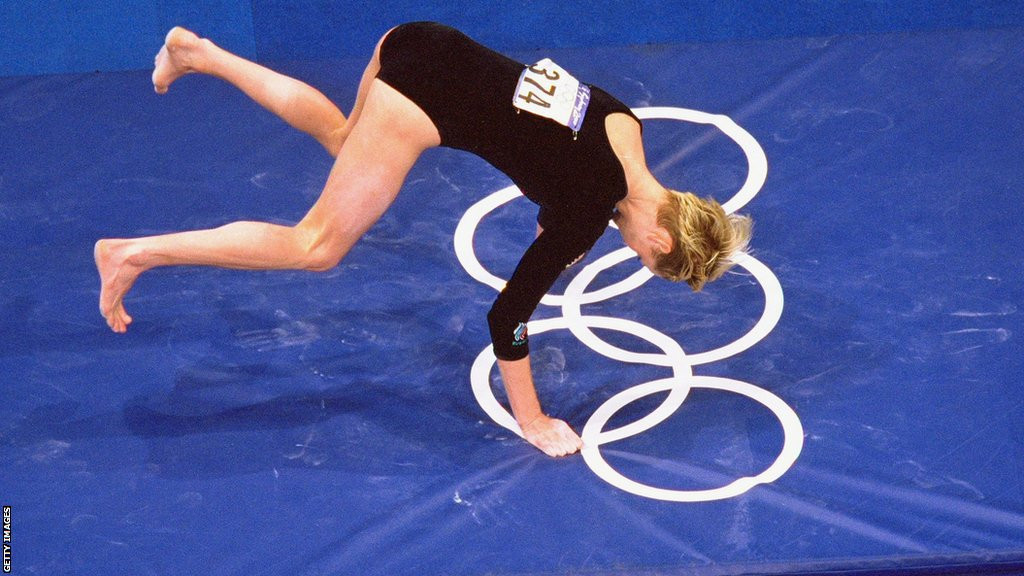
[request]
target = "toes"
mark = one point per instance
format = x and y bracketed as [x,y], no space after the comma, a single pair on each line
[123,320]
[117,319]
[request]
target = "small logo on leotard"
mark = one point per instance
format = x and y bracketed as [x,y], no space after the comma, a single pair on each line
[519,335]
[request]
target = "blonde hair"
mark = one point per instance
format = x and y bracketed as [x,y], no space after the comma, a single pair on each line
[705,240]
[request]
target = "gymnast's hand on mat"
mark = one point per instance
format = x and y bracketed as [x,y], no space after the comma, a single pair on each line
[553,437]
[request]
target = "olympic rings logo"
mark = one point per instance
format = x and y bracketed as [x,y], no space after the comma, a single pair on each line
[673,356]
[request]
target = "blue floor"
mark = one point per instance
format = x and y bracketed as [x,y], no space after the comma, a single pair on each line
[294,423]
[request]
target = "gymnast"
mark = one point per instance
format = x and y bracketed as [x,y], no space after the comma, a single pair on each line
[571,148]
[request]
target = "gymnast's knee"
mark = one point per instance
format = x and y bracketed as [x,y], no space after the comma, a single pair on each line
[320,250]
[321,262]
[322,258]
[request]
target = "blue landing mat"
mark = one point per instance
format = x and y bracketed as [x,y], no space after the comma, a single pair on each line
[293,423]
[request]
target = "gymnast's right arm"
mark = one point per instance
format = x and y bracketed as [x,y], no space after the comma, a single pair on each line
[508,333]
[537,271]
[552,436]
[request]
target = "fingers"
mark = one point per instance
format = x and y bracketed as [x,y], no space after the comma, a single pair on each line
[553,437]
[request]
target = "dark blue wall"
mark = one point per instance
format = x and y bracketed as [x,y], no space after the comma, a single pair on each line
[51,36]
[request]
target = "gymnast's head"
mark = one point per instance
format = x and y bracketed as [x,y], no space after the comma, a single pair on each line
[705,240]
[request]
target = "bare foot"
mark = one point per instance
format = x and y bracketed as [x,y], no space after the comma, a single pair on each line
[117,275]
[176,58]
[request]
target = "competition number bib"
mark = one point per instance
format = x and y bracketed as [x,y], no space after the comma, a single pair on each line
[546,90]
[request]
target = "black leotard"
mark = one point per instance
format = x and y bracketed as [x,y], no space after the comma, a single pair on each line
[466,89]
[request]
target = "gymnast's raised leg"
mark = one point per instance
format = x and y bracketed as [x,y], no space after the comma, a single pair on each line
[297,103]
[375,148]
